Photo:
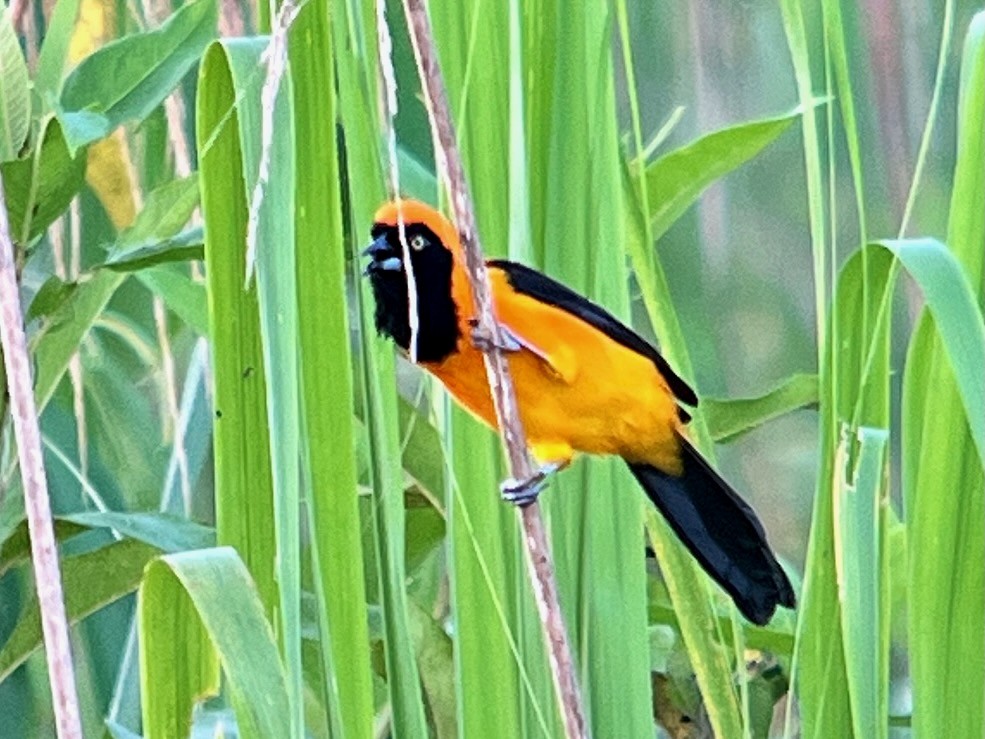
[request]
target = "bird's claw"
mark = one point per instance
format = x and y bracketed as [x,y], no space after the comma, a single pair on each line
[524,492]
[484,341]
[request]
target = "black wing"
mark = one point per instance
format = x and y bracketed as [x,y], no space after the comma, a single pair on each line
[527,281]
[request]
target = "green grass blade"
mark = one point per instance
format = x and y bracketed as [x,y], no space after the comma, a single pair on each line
[729,419]
[860,509]
[958,320]
[355,43]
[244,496]
[129,77]
[194,607]
[276,274]
[64,330]
[687,586]
[327,382]
[674,181]
[944,488]
[92,581]
[15,97]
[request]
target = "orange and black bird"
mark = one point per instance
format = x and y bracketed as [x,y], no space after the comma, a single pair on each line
[585,382]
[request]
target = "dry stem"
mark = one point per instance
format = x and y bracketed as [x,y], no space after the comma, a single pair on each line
[44,552]
[501,384]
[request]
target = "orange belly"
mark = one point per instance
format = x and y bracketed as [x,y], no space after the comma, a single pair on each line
[617,403]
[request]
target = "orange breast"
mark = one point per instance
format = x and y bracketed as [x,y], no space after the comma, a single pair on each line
[613,400]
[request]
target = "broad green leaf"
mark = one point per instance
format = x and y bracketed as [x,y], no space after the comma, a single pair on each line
[15,98]
[357,86]
[53,57]
[944,484]
[90,581]
[52,294]
[63,331]
[183,247]
[15,541]
[126,79]
[675,180]
[822,653]
[230,69]
[167,209]
[423,454]
[958,320]
[729,419]
[243,477]
[167,533]
[189,605]
[433,648]
[182,295]
[40,187]
[860,508]
[325,345]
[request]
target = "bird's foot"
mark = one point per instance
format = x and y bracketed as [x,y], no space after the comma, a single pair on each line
[484,341]
[522,493]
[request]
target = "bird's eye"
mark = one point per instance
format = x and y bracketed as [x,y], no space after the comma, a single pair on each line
[418,242]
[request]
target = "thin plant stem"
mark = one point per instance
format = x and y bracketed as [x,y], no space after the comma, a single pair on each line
[44,550]
[539,561]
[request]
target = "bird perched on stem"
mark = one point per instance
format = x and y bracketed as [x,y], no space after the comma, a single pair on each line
[584,382]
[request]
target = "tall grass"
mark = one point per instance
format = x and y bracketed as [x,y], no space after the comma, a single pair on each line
[353,571]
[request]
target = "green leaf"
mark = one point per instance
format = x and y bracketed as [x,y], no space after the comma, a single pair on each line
[433,649]
[15,99]
[183,247]
[54,51]
[63,332]
[52,294]
[154,237]
[325,343]
[729,419]
[357,79]
[182,295]
[262,324]
[958,319]
[15,541]
[40,188]
[675,180]
[126,79]
[207,592]
[943,479]
[91,581]
[860,527]
[165,532]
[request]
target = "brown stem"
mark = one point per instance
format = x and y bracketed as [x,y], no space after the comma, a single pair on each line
[44,552]
[538,550]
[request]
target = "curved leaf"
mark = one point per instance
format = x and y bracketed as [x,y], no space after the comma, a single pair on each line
[126,79]
[675,180]
[202,595]
[15,101]
[729,419]
[958,318]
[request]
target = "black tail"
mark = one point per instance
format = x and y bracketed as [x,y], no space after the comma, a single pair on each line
[721,531]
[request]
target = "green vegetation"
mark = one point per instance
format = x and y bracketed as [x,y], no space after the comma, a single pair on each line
[269,520]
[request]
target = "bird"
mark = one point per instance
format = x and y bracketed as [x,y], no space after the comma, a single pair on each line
[584,382]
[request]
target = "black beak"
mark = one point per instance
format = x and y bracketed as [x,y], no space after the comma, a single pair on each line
[378,249]
[382,256]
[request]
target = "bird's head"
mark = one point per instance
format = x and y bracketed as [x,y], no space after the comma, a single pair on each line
[433,247]
[430,237]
